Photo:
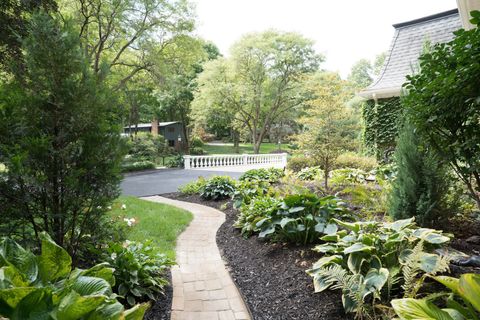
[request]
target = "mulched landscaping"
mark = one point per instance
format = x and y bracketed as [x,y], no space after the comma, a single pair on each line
[271,277]
[161,308]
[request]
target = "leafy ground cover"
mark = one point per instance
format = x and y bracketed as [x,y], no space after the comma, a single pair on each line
[155,221]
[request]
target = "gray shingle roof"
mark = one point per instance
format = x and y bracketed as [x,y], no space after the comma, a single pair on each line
[407,45]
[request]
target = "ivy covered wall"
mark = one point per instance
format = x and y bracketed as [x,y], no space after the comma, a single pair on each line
[381,121]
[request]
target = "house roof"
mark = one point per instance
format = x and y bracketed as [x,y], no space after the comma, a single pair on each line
[149,125]
[407,45]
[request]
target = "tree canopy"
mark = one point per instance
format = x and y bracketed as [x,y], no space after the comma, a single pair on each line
[260,82]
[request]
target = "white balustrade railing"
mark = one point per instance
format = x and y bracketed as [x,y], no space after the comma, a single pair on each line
[229,160]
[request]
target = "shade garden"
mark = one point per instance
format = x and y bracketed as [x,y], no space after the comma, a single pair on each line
[334,254]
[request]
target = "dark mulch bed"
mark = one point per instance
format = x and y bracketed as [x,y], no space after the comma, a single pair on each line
[161,308]
[271,277]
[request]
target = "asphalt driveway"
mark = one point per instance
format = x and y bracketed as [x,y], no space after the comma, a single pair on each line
[164,181]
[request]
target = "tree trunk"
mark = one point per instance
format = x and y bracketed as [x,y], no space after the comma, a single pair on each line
[236,141]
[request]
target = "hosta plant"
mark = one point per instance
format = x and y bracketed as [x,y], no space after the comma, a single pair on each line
[270,175]
[193,187]
[348,176]
[310,173]
[462,303]
[139,271]
[218,188]
[46,287]
[248,190]
[302,218]
[373,262]
[253,212]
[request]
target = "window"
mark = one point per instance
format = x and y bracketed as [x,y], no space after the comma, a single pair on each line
[171,129]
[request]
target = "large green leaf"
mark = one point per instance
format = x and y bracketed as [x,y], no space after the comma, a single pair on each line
[358,247]
[37,305]
[11,253]
[412,309]
[428,262]
[430,235]
[91,286]
[137,312]
[13,296]
[449,282]
[354,226]
[54,262]
[73,306]
[102,270]
[320,283]
[327,260]
[355,261]
[11,277]
[111,311]
[470,289]
[376,279]
[401,224]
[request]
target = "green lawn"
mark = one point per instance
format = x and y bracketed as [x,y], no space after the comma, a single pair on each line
[244,148]
[155,221]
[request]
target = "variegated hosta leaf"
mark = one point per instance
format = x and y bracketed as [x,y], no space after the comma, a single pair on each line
[412,309]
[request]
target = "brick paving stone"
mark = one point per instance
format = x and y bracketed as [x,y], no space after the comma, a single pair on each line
[202,286]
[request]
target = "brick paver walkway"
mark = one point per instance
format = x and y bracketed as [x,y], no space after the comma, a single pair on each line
[202,287]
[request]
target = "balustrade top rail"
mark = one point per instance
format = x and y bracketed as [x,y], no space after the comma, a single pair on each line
[228,160]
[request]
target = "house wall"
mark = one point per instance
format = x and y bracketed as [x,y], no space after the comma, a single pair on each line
[382,119]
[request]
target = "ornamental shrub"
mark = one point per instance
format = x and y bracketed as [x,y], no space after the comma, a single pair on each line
[443,103]
[60,140]
[297,163]
[140,273]
[46,287]
[422,182]
[247,190]
[355,161]
[196,142]
[142,147]
[218,188]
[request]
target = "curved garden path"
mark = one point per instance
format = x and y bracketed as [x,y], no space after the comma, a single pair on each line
[202,286]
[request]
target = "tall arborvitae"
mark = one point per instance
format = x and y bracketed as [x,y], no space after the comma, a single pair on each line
[422,182]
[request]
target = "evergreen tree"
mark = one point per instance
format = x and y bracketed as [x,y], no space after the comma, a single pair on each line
[421,184]
[59,141]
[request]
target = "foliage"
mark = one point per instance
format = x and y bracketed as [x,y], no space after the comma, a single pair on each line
[14,19]
[381,126]
[59,138]
[355,161]
[175,162]
[467,288]
[302,218]
[139,271]
[270,175]
[443,104]
[330,127]
[193,187]
[310,173]
[196,142]
[145,146]
[348,176]
[197,151]
[254,211]
[247,190]
[421,184]
[259,84]
[46,286]
[298,163]
[218,188]
[128,38]
[129,166]
[374,261]
[369,199]
[363,72]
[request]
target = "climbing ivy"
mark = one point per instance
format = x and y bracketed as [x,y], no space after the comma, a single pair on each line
[381,121]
